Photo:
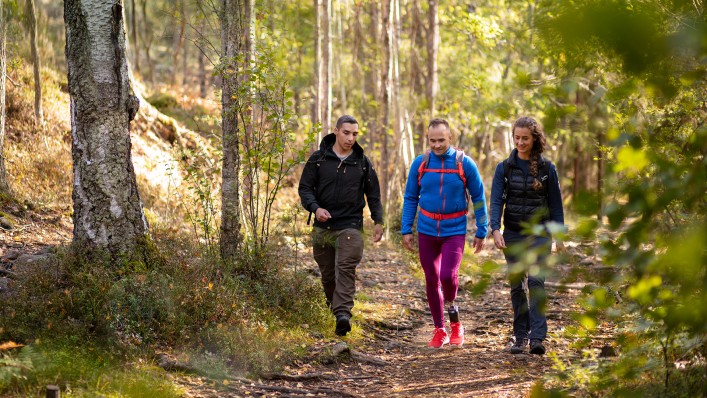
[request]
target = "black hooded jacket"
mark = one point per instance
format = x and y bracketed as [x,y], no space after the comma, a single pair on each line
[339,186]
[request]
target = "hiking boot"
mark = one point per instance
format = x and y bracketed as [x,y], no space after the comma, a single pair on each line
[343,325]
[439,339]
[519,345]
[536,347]
[457,337]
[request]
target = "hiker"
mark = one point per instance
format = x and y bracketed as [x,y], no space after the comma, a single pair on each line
[440,182]
[526,189]
[332,187]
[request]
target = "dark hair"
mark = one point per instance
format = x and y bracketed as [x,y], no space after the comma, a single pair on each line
[436,122]
[539,145]
[346,119]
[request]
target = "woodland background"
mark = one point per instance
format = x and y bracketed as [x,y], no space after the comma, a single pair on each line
[235,94]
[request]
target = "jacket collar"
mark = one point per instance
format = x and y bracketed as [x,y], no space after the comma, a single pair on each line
[451,151]
[513,158]
[328,143]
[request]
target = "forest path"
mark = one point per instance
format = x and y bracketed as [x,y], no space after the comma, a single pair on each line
[391,357]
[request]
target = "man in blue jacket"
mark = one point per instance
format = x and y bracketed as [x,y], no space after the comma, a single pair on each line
[440,183]
[332,187]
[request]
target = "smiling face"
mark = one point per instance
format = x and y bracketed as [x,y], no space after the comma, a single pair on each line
[345,137]
[439,138]
[523,140]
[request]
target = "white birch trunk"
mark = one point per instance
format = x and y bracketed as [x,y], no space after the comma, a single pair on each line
[107,207]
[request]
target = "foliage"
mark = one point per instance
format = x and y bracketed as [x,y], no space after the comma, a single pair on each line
[656,218]
[200,172]
[175,300]
[269,149]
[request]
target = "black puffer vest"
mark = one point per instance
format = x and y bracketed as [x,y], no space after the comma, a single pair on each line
[522,201]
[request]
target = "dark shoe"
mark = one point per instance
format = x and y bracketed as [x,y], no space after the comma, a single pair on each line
[343,325]
[536,347]
[518,346]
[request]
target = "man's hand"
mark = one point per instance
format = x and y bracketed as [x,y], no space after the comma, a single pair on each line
[377,232]
[478,244]
[408,242]
[498,240]
[560,246]
[322,215]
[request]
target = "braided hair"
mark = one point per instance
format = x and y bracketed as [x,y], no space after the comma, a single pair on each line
[539,145]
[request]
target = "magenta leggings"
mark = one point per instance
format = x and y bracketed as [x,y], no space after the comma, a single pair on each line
[440,259]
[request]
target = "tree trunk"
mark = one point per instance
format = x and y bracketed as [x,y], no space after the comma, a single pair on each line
[32,22]
[147,41]
[232,15]
[202,75]
[107,208]
[133,33]
[4,187]
[339,74]
[416,71]
[317,111]
[327,60]
[178,37]
[387,97]
[432,49]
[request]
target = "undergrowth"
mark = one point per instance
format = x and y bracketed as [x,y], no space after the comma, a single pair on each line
[198,306]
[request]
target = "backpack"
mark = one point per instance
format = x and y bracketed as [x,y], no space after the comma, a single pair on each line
[459,170]
[543,172]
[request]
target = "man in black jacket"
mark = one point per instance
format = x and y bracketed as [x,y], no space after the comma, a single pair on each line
[333,184]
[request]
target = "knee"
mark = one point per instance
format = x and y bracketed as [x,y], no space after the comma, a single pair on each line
[535,283]
[447,280]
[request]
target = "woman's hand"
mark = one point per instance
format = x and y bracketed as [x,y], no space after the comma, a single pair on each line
[498,240]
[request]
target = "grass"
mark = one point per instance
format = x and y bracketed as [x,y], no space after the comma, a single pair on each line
[82,370]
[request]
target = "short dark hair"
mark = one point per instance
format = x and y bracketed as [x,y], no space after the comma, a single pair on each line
[346,119]
[437,121]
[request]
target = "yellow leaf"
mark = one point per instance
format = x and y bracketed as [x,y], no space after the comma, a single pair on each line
[10,345]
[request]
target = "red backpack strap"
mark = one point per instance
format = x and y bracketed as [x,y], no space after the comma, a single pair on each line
[460,166]
[423,164]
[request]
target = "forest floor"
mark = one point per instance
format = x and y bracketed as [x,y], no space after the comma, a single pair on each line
[392,358]
[387,353]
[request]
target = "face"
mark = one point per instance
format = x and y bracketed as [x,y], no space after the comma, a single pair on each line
[346,136]
[439,138]
[523,140]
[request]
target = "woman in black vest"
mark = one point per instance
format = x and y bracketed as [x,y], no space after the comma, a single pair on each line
[526,192]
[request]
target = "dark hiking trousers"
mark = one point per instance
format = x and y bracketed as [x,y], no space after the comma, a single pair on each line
[528,296]
[338,253]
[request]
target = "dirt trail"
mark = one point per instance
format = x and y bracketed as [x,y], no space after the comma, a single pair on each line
[392,359]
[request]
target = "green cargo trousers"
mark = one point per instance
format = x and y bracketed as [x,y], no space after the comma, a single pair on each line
[338,253]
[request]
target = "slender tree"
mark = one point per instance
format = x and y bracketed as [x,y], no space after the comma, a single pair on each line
[32,25]
[133,33]
[432,50]
[237,19]
[178,37]
[4,187]
[107,208]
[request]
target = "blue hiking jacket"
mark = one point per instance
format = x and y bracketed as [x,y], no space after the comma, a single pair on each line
[443,193]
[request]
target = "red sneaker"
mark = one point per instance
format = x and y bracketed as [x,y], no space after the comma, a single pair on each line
[457,337]
[439,339]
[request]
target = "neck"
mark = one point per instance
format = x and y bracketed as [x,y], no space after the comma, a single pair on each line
[340,151]
[523,156]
